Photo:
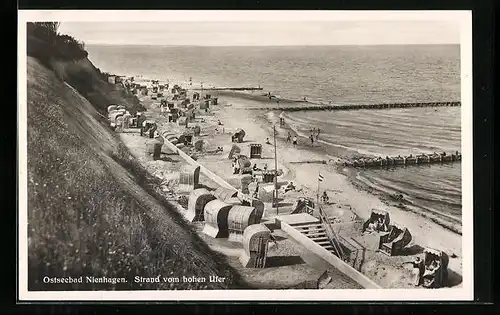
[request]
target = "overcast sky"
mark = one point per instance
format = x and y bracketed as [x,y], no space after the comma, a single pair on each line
[264,33]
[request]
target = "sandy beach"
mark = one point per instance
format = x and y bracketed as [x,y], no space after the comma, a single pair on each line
[258,126]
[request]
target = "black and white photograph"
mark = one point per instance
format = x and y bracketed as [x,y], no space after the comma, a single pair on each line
[245,155]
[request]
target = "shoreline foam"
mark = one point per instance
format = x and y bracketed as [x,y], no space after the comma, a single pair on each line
[343,191]
[258,125]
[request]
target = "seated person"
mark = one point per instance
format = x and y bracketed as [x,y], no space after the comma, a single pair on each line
[265,167]
[382,226]
[255,168]
[219,123]
[236,170]
[372,227]
[267,141]
[433,265]
[325,197]
[289,187]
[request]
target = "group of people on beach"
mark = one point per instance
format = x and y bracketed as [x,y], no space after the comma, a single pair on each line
[290,139]
[377,226]
[314,135]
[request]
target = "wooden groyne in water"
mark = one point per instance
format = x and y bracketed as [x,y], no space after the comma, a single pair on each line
[404,160]
[229,89]
[334,107]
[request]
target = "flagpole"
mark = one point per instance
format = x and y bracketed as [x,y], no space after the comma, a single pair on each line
[317,193]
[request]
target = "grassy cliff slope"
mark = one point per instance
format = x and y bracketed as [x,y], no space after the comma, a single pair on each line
[88,215]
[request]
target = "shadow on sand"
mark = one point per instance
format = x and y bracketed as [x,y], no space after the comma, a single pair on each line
[412,250]
[167,159]
[454,278]
[273,226]
[204,186]
[279,238]
[278,261]
[285,204]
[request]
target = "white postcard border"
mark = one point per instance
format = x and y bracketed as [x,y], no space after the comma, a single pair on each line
[464,18]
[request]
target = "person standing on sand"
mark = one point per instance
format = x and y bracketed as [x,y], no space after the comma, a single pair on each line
[317,135]
[294,141]
[289,137]
[312,139]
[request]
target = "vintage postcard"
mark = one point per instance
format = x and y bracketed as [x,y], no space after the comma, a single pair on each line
[245,155]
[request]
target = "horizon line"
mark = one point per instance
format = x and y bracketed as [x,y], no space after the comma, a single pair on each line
[294,45]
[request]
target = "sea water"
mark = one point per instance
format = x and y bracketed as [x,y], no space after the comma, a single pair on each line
[341,74]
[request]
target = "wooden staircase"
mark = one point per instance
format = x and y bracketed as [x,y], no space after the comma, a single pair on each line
[317,233]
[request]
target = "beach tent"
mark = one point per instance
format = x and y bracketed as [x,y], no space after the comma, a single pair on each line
[189,178]
[114,111]
[196,130]
[266,192]
[113,117]
[205,104]
[182,121]
[119,123]
[153,149]
[216,213]
[245,181]
[235,151]
[198,145]
[244,162]
[255,246]
[238,135]
[259,208]
[255,151]
[301,205]
[112,107]
[239,218]
[185,138]
[225,194]
[167,134]
[393,242]
[126,120]
[377,215]
[197,201]
[435,273]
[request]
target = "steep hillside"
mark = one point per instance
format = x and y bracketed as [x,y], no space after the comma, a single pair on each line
[88,215]
[88,80]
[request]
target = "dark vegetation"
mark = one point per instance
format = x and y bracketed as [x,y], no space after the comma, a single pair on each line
[67,57]
[92,209]
[46,44]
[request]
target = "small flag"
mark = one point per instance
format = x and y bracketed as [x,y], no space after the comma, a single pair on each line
[320,177]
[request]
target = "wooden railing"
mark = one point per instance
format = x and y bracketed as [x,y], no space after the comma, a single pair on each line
[332,236]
